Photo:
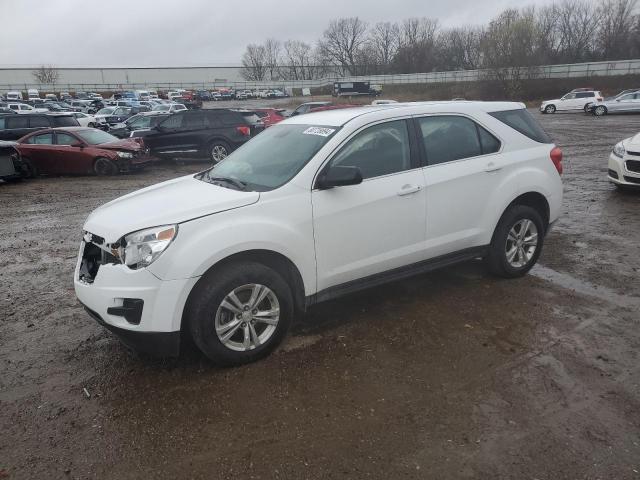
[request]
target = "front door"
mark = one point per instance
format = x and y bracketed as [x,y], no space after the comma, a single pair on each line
[378,225]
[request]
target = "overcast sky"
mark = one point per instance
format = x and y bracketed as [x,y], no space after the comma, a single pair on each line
[194,32]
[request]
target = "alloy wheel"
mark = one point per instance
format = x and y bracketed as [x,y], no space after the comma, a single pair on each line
[600,111]
[218,153]
[521,244]
[247,317]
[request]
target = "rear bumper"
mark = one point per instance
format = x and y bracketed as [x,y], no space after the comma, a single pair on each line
[157,344]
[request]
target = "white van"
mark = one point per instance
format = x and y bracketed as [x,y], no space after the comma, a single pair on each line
[142,95]
[33,93]
[15,95]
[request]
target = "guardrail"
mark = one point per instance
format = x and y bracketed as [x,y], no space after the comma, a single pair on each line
[581,70]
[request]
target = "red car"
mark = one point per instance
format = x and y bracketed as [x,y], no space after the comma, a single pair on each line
[80,150]
[269,116]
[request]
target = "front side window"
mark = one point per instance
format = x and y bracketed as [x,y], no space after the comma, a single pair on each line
[65,139]
[173,122]
[272,158]
[379,150]
[448,137]
[569,96]
[17,121]
[43,139]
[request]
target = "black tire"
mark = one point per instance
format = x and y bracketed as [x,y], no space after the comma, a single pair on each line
[216,145]
[497,260]
[586,108]
[91,125]
[550,109]
[600,111]
[29,170]
[103,167]
[207,297]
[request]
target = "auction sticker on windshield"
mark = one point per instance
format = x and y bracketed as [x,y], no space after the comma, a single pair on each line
[322,131]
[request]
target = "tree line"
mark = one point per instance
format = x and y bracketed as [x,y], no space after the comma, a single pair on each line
[516,40]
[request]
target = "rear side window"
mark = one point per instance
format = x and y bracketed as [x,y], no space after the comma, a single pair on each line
[17,122]
[43,139]
[65,121]
[522,121]
[38,122]
[447,138]
[585,95]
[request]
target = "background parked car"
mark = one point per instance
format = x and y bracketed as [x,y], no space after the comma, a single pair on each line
[85,120]
[253,120]
[210,133]
[79,150]
[270,116]
[23,108]
[11,165]
[13,127]
[141,121]
[579,99]
[626,103]
[169,108]
[306,107]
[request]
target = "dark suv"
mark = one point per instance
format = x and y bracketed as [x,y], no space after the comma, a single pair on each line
[13,127]
[209,133]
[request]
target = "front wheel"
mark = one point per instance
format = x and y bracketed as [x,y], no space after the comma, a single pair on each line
[240,313]
[517,242]
[103,167]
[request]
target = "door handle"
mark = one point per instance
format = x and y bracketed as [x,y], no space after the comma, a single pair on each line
[492,167]
[409,189]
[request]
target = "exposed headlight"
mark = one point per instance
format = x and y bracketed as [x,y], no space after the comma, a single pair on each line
[125,154]
[619,150]
[140,249]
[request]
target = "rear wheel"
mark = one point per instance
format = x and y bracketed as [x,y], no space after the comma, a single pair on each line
[218,151]
[517,242]
[92,125]
[600,110]
[550,109]
[240,313]
[103,167]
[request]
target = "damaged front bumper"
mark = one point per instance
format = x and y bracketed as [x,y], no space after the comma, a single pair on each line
[144,311]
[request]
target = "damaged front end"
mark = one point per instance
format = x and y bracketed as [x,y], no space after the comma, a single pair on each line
[95,253]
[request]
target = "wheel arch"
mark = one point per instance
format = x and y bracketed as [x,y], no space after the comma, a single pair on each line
[535,200]
[270,258]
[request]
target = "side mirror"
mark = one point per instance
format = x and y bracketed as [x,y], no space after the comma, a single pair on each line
[339,177]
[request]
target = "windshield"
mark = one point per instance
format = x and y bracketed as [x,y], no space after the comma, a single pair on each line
[96,137]
[272,158]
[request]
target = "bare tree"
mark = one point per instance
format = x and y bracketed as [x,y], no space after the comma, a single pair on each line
[615,32]
[272,60]
[342,41]
[577,23]
[384,41]
[254,63]
[298,61]
[417,45]
[459,48]
[46,74]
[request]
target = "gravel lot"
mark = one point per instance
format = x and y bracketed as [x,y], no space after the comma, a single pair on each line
[450,375]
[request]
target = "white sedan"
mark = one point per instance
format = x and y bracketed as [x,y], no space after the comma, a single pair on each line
[85,120]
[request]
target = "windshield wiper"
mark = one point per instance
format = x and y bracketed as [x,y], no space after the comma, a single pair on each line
[240,185]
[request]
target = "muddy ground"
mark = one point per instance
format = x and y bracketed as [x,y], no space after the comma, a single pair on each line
[449,375]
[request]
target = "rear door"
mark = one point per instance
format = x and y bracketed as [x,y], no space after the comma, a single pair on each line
[583,99]
[463,169]
[39,149]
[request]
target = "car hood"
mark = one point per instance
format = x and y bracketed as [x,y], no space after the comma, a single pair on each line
[174,201]
[632,143]
[125,144]
[550,101]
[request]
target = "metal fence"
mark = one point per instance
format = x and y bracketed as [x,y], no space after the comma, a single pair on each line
[577,70]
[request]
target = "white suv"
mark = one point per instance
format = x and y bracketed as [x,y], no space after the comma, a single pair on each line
[575,100]
[315,207]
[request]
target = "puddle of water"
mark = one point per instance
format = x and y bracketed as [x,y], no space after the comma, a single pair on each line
[295,343]
[585,288]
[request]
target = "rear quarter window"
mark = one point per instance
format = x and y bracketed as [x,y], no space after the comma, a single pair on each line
[522,121]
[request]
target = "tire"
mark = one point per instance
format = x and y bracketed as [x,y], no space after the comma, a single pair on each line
[91,125]
[218,151]
[29,170]
[506,237]
[586,108]
[550,109]
[211,314]
[600,111]
[104,167]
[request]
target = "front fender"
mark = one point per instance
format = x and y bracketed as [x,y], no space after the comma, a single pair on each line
[202,243]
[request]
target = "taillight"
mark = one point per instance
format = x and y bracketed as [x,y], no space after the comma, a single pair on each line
[599,99]
[556,158]
[246,131]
